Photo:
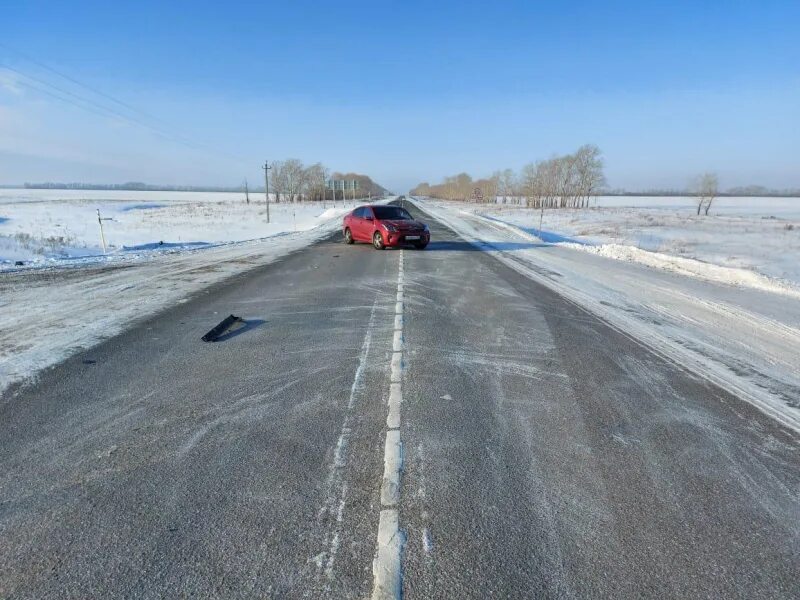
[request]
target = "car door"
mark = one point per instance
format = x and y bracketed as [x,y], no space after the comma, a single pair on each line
[357,227]
[368,223]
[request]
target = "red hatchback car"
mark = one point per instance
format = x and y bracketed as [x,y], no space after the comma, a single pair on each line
[384,226]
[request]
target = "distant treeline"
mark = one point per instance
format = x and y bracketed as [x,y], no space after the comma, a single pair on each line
[566,181]
[563,181]
[131,186]
[289,179]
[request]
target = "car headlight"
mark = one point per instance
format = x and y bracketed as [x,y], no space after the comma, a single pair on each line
[389,228]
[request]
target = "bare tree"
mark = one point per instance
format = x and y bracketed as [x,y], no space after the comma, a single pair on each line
[484,189]
[706,188]
[315,177]
[508,184]
[423,189]
[277,179]
[589,166]
[558,182]
[490,188]
[529,185]
[292,181]
[295,175]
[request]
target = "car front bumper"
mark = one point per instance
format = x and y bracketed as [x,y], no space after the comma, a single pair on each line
[400,239]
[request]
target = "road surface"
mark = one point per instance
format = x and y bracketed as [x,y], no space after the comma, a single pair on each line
[536,451]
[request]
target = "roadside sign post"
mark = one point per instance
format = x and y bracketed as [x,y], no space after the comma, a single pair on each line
[102,235]
[541,215]
[266,168]
[330,184]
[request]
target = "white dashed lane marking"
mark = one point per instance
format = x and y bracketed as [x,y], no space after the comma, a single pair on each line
[392,463]
[397,366]
[386,566]
[395,398]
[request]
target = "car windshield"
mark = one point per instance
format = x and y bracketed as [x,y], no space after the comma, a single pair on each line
[391,212]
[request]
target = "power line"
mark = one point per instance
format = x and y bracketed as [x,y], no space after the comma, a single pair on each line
[83,101]
[92,107]
[81,84]
[159,131]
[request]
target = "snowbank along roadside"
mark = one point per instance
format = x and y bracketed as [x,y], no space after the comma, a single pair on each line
[745,237]
[684,266]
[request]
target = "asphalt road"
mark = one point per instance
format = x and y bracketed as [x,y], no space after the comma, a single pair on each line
[544,453]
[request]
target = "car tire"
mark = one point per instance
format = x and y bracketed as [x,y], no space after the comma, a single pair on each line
[420,245]
[377,241]
[348,236]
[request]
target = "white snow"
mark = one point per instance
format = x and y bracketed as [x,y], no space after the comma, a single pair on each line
[47,227]
[691,267]
[61,306]
[744,338]
[753,235]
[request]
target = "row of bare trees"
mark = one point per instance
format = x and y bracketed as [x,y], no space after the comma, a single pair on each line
[558,182]
[292,181]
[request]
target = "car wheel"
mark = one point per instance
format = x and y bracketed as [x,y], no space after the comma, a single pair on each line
[377,240]
[420,245]
[348,236]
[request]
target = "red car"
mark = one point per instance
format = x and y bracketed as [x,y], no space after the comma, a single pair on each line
[384,226]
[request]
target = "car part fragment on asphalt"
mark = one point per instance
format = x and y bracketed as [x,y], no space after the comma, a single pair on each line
[227,324]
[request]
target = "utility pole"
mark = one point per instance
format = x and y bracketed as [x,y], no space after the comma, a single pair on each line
[266,168]
[354,191]
[246,192]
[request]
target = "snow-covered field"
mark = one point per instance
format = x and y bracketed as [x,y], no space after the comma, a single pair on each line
[743,338]
[59,306]
[752,235]
[47,227]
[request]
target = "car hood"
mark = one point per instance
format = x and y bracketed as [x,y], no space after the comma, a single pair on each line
[404,224]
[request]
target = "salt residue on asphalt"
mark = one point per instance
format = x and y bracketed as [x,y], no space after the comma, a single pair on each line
[48,314]
[744,339]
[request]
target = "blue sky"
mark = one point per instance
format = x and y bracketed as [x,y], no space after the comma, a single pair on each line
[402,91]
